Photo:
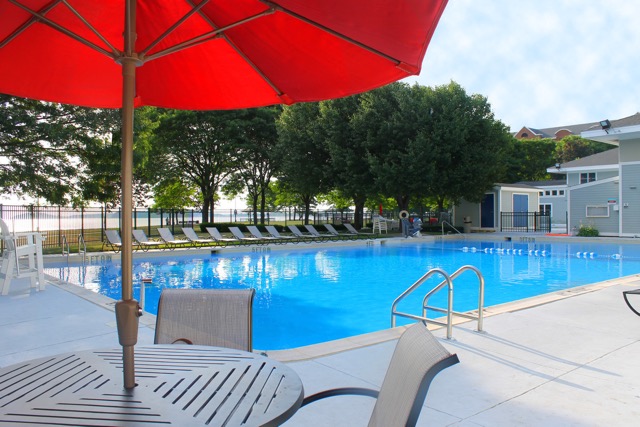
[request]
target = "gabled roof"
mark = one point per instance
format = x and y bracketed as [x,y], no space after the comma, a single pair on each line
[605,158]
[579,128]
[549,183]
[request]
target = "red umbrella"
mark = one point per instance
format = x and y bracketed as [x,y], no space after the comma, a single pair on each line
[201,54]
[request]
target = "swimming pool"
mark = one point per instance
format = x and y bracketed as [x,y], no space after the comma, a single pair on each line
[306,296]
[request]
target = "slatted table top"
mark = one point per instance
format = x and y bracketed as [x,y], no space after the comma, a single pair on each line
[177,385]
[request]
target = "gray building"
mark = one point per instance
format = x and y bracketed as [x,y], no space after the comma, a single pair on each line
[603,190]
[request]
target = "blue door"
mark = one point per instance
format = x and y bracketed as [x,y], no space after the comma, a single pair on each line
[487,211]
[520,210]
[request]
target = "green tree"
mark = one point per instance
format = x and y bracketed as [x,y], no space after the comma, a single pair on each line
[197,147]
[464,143]
[387,120]
[528,159]
[303,155]
[351,171]
[574,147]
[44,146]
[256,161]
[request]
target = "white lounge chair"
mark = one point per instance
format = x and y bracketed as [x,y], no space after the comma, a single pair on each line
[275,233]
[315,233]
[331,229]
[113,240]
[215,234]
[143,241]
[169,240]
[193,237]
[255,232]
[242,238]
[307,238]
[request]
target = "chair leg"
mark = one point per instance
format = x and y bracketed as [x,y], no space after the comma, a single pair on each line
[7,271]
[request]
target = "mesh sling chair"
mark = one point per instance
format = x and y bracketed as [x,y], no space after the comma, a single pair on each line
[216,317]
[417,359]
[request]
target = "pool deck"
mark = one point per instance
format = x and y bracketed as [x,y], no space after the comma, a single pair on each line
[565,359]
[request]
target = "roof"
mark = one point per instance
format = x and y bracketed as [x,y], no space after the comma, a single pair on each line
[548,183]
[605,158]
[579,128]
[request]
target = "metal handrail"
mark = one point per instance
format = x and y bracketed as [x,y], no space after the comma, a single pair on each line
[82,247]
[449,311]
[416,285]
[448,282]
[65,246]
[451,225]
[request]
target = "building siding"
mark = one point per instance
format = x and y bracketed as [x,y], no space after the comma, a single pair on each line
[598,194]
[630,199]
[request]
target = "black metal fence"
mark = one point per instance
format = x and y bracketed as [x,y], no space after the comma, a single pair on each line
[60,223]
[525,222]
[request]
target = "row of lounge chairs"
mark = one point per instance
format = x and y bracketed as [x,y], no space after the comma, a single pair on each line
[192,239]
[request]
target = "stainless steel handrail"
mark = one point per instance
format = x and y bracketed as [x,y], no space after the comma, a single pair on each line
[448,282]
[450,225]
[65,246]
[479,317]
[416,285]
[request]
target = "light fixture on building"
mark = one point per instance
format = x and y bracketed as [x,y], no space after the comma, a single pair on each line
[605,124]
[558,166]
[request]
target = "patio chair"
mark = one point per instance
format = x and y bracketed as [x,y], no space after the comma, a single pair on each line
[215,234]
[417,359]
[143,241]
[380,224]
[14,251]
[275,233]
[308,238]
[113,240]
[216,317]
[255,232]
[170,241]
[193,237]
[331,229]
[322,236]
[235,231]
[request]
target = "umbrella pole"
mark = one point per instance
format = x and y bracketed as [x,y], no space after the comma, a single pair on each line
[127,309]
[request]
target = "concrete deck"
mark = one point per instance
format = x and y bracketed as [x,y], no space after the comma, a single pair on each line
[568,360]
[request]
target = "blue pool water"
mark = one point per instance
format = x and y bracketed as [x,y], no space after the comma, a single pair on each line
[306,296]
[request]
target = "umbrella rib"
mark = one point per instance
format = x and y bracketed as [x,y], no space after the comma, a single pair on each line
[273,86]
[39,16]
[27,24]
[344,37]
[115,51]
[205,37]
[196,9]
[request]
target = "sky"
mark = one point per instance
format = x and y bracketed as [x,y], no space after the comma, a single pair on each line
[540,63]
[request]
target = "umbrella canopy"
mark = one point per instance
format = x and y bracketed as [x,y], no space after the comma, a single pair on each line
[200,54]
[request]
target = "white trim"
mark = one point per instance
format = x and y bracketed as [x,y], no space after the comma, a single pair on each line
[606,207]
[601,168]
[593,183]
[629,163]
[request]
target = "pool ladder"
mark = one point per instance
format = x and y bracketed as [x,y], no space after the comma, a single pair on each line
[448,283]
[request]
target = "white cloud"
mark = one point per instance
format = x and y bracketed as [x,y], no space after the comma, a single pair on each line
[541,63]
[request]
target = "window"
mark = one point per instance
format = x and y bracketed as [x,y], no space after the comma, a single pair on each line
[587,177]
[561,192]
[554,192]
[545,209]
[541,193]
[597,211]
[547,193]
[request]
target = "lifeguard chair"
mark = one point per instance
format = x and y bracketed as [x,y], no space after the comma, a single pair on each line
[18,248]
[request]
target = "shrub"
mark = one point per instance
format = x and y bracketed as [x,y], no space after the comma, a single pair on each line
[588,231]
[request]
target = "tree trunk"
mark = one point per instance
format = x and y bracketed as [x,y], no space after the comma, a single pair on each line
[403,202]
[358,214]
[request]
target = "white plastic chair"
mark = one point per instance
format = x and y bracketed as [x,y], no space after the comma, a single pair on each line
[13,252]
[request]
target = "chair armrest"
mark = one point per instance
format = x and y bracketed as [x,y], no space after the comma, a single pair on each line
[340,392]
